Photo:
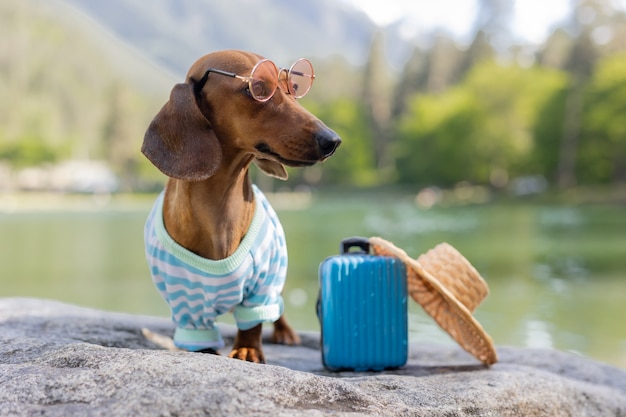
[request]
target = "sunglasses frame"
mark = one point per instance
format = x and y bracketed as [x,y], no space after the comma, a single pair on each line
[249,79]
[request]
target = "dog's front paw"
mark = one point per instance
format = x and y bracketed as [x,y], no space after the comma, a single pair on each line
[248,354]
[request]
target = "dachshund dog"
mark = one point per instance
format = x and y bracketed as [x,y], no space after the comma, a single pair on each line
[213,242]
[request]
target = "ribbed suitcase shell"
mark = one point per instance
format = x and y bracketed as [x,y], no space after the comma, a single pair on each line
[363,312]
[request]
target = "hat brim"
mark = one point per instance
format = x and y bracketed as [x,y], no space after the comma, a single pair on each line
[449,313]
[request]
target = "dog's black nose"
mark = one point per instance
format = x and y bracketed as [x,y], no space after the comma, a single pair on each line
[327,141]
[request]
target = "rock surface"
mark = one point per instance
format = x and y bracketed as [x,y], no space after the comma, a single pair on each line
[62,360]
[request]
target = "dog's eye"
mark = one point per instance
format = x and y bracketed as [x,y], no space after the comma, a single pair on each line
[249,93]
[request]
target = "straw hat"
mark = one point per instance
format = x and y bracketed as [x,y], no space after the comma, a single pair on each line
[449,288]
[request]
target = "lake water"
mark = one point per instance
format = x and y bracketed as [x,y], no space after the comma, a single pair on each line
[557,274]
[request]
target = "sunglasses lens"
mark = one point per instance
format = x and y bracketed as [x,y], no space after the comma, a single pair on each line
[300,77]
[264,80]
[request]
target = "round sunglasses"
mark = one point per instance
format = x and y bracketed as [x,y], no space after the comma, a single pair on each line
[265,77]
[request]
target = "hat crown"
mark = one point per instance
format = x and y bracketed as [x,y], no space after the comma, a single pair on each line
[456,274]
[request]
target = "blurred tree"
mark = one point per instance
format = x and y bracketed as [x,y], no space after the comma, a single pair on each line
[479,51]
[443,64]
[615,33]
[580,64]
[494,18]
[435,139]
[432,71]
[28,151]
[482,126]
[556,50]
[119,131]
[377,90]
[548,133]
[510,98]
[412,79]
[336,78]
[602,156]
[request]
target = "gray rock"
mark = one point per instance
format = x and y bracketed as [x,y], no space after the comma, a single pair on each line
[62,360]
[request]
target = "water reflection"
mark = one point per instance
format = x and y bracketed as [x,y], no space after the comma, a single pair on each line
[403,223]
[560,217]
[556,274]
[538,335]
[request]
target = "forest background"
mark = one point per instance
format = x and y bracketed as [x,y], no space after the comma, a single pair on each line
[487,113]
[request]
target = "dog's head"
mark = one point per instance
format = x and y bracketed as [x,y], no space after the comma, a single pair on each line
[214,115]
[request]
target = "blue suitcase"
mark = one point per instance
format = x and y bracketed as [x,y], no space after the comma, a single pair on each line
[362,308]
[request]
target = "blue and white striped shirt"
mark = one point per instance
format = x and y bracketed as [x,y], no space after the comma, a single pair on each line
[248,282]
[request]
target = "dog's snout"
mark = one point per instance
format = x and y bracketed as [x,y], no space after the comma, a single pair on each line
[328,141]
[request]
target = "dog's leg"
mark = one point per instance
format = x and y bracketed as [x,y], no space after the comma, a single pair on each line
[247,345]
[283,333]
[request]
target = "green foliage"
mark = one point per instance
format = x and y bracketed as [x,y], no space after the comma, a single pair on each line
[60,98]
[28,151]
[435,139]
[483,124]
[548,133]
[602,156]
[354,161]
[510,97]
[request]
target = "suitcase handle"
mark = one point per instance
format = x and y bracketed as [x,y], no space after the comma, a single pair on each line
[362,243]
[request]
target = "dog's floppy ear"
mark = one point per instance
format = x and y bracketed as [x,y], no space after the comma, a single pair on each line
[180,141]
[271,168]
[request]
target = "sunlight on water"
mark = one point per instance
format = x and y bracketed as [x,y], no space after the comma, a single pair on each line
[557,275]
[538,335]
